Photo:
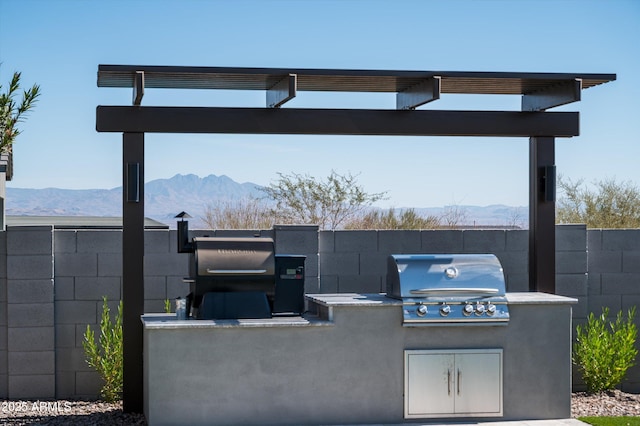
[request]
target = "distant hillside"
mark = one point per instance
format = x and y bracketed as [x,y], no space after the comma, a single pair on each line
[164,198]
[484,216]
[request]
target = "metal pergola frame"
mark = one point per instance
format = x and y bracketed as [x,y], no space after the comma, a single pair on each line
[539,92]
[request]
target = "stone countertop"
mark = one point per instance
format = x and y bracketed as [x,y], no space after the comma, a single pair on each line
[380,299]
[536,298]
[353,299]
[168,321]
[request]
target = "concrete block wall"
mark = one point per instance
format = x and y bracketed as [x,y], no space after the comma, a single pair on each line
[4,371]
[88,268]
[52,282]
[29,328]
[614,281]
[572,266]
[355,261]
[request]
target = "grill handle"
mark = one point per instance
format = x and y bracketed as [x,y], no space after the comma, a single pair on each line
[454,290]
[236,271]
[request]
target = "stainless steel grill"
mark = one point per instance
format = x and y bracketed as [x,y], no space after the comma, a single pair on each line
[448,288]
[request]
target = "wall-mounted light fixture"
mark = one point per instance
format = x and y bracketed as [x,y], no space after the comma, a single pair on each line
[548,183]
[133,182]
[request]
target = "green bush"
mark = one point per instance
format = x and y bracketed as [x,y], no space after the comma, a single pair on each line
[605,350]
[105,356]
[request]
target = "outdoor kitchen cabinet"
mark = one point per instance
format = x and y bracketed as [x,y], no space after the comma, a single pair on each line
[254,370]
[453,383]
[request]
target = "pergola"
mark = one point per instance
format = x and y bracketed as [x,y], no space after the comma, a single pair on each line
[539,92]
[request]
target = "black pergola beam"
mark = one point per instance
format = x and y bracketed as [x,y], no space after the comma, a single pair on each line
[335,121]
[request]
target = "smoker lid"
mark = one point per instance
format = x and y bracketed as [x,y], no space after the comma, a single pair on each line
[444,276]
[226,257]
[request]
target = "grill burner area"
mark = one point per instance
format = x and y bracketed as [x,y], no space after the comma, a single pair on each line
[448,288]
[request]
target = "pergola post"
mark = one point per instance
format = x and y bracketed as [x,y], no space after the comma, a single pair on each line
[542,215]
[132,269]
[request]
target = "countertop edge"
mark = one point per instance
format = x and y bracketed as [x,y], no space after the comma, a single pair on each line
[161,321]
[380,299]
[539,298]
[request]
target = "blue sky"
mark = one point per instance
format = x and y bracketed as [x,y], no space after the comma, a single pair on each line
[59,44]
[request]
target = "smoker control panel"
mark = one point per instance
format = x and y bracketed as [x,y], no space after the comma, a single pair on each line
[292,273]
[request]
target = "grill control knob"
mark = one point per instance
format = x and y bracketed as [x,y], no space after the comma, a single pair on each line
[451,272]
[480,309]
[491,309]
[445,310]
[421,310]
[467,310]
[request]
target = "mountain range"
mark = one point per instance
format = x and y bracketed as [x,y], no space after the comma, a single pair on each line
[164,198]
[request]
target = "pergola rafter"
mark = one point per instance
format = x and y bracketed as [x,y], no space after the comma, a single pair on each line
[539,92]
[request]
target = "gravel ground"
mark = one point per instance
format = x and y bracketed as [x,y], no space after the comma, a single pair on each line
[613,403]
[64,412]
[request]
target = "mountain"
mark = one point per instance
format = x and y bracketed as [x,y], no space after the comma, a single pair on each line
[164,198]
[498,215]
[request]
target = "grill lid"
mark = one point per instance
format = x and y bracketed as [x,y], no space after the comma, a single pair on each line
[234,257]
[444,276]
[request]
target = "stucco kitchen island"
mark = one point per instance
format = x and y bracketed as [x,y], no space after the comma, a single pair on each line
[344,363]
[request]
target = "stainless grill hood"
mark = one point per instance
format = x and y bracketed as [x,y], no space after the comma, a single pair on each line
[448,288]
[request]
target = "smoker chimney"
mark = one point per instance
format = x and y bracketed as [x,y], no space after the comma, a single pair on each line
[184,245]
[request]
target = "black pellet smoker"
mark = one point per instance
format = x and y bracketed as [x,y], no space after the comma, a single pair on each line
[240,278]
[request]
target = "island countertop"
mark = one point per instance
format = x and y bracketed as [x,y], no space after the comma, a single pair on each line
[380,299]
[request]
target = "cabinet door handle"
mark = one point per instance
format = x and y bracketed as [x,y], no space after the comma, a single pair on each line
[448,382]
[459,381]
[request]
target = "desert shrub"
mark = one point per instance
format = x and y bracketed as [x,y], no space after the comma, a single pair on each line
[328,203]
[105,355]
[240,214]
[390,219]
[605,350]
[608,204]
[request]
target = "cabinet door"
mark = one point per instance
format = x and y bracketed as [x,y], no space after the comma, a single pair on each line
[478,383]
[453,383]
[428,384]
